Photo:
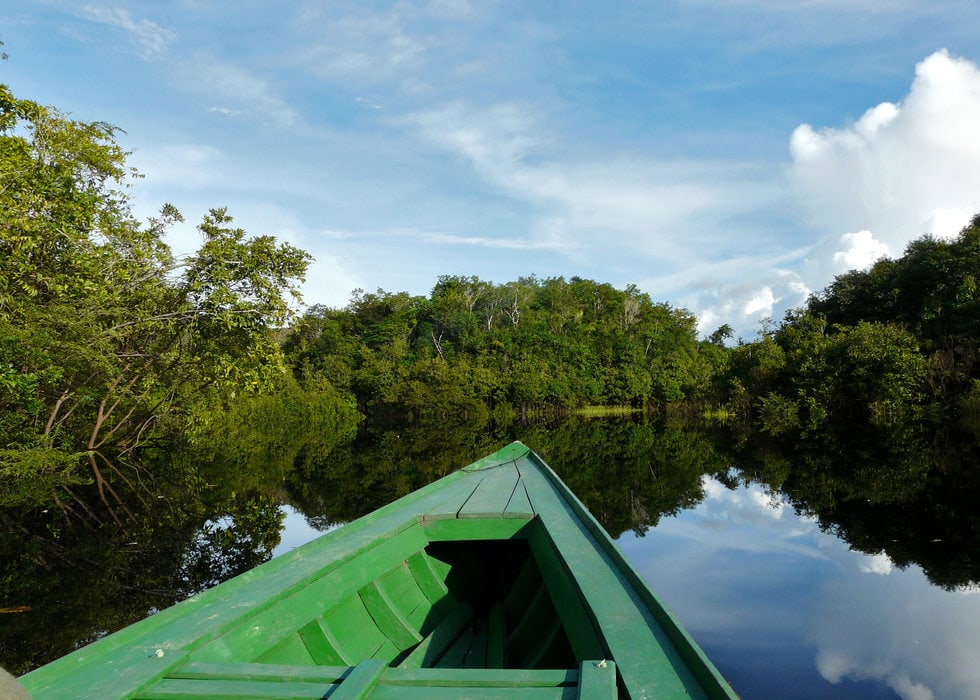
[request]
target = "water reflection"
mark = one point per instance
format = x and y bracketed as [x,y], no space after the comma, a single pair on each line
[787,610]
[784,604]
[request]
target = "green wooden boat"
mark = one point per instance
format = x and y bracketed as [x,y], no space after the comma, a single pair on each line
[493,582]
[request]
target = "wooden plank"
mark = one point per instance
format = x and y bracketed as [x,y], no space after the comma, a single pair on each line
[184,689]
[519,505]
[476,655]
[456,653]
[524,641]
[485,678]
[449,508]
[434,646]
[262,631]
[401,588]
[597,680]
[496,638]
[124,662]
[203,670]
[324,648]
[291,650]
[388,618]
[352,628]
[645,656]
[546,639]
[568,601]
[475,529]
[388,692]
[522,592]
[361,681]
[491,496]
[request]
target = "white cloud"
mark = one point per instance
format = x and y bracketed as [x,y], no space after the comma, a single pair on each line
[360,45]
[877,564]
[761,303]
[236,90]
[869,188]
[150,39]
[668,211]
[860,251]
[902,169]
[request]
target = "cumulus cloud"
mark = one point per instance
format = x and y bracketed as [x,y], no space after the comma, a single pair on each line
[877,564]
[902,169]
[869,188]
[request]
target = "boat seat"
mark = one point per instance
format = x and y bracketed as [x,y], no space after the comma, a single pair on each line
[373,679]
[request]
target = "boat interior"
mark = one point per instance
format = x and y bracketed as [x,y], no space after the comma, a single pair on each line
[450,604]
[433,608]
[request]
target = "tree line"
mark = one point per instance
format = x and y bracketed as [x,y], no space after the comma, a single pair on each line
[121,363]
[475,348]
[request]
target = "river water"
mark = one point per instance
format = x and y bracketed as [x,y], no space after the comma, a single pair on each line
[798,580]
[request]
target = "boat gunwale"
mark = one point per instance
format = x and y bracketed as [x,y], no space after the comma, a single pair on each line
[293,571]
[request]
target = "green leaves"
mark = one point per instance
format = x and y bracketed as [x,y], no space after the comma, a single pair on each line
[105,339]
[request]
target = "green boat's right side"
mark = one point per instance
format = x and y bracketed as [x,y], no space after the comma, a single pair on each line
[494,582]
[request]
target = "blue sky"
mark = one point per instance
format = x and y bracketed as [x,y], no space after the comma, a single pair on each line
[727,156]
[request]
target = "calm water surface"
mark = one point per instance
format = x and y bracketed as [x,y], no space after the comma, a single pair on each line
[783,608]
[787,611]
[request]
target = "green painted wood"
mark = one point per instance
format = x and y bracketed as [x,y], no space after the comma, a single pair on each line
[401,587]
[125,662]
[173,689]
[290,650]
[388,617]
[476,655]
[597,680]
[354,630]
[491,496]
[449,508]
[484,678]
[457,651]
[389,692]
[268,613]
[581,627]
[264,630]
[521,594]
[359,683]
[323,647]
[434,646]
[505,456]
[548,637]
[202,670]
[519,505]
[524,641]
[646,657]
[496,638]
[443,530]
[431,584]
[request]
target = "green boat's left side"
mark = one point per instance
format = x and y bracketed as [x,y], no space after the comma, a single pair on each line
[491,582]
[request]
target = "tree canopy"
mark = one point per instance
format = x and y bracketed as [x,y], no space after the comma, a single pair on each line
[107,341]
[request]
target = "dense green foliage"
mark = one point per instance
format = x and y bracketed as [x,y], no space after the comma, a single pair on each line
[473,347]
[108,344]
[896,342]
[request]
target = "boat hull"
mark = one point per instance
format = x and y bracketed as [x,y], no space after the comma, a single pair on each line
[494,581]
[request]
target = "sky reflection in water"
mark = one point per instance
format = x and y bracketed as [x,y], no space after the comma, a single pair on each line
[785,610]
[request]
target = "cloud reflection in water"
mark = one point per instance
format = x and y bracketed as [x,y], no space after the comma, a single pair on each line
[786,610]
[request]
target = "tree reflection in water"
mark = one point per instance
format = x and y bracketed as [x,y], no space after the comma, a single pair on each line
[901,491]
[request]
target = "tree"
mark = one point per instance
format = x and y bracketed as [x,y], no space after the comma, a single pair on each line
[106,339]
